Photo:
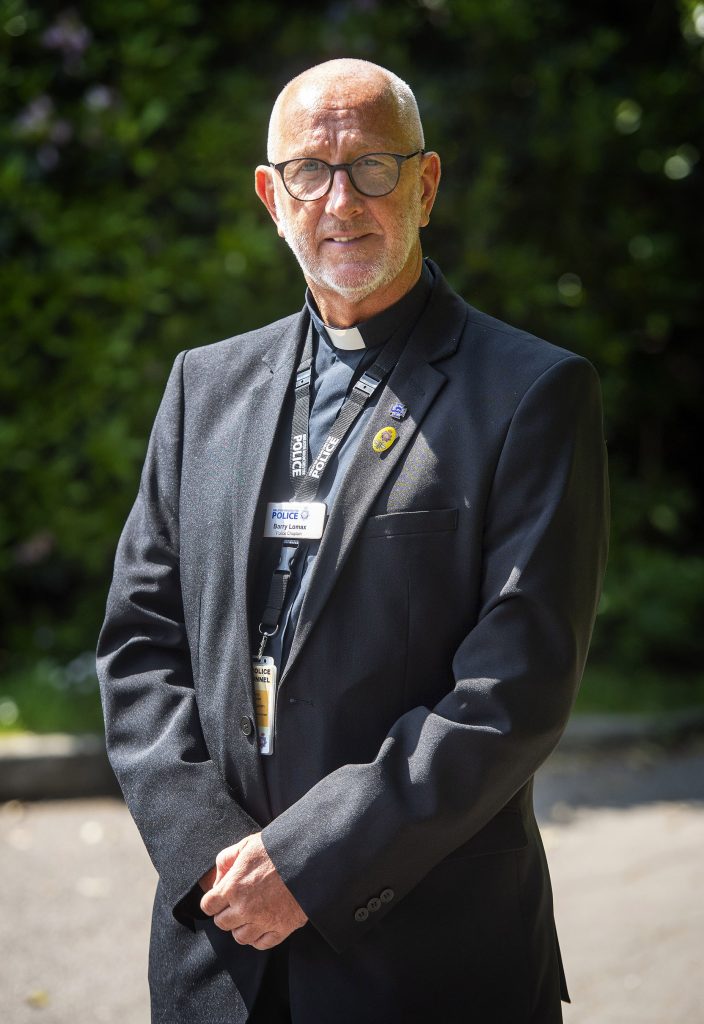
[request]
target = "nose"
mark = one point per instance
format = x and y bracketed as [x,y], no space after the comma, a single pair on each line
[343,200]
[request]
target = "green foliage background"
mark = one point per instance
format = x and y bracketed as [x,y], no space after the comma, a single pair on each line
[571,138]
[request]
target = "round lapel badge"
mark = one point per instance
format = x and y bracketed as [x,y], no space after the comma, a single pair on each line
[384,439]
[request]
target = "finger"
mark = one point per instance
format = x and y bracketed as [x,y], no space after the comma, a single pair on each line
[225,859]
[230,918]
[245,934]
[223,892]
[267,941]
[213,902]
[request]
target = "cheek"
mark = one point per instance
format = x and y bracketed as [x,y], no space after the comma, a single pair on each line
[403,219]
[302,222]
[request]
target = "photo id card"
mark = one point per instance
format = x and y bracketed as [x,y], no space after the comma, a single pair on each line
[304,520]
[265,702]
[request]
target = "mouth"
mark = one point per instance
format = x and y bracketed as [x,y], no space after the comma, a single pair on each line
[346,240]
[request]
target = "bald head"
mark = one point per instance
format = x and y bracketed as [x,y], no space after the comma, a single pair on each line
[359,252]
[340,85]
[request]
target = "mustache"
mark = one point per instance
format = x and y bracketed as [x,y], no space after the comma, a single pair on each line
[342,228]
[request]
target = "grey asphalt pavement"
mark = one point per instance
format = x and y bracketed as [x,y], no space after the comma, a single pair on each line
[624,834]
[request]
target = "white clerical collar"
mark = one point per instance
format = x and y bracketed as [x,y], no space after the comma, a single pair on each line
[347,338]
[378,329]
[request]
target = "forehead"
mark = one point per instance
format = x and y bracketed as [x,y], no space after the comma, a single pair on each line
[339,121]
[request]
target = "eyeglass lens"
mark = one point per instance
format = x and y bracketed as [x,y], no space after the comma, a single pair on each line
[375,174]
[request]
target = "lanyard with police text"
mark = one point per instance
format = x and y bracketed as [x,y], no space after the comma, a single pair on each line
[303,518]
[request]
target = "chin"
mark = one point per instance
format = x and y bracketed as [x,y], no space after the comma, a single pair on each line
[352,283]
[346,288]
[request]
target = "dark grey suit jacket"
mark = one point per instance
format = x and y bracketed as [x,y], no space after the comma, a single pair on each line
[437,656]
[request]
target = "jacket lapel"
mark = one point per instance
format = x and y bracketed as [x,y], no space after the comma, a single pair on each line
[266,402]
[255,428]
[259,420]
[415,383]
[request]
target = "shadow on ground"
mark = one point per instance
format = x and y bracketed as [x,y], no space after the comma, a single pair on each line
[638,775]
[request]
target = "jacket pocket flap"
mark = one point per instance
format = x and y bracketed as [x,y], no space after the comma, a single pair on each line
[435,520]
[502,834]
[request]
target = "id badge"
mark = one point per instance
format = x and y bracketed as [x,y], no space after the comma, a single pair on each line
[264,670]
[304,520]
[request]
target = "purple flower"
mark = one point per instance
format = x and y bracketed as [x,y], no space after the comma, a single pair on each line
[69,36]
[36,117]
[99,97]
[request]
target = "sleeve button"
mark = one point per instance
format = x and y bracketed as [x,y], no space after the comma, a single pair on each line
[386,895]
[373,904]
[361,914]
[246,725]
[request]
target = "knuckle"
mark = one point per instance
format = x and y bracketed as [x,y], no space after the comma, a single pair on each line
[224,920]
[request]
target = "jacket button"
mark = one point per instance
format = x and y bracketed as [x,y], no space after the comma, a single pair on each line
[386,895]
[361,914]
[373,904]
[246,725]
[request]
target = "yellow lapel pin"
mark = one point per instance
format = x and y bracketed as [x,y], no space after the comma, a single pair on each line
[384,439]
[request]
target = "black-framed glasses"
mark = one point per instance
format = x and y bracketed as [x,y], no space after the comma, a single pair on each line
[373,174]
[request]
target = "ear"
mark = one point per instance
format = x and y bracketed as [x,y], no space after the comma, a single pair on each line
[430,180]
[265,188]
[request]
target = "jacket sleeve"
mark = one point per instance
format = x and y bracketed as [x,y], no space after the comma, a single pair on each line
[443,773]
[155,743]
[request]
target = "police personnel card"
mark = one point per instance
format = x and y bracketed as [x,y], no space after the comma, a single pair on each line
[265,702]
[302,519]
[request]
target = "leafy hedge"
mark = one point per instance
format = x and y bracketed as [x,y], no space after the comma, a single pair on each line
[571,203]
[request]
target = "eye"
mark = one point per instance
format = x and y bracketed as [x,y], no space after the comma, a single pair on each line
[309,166]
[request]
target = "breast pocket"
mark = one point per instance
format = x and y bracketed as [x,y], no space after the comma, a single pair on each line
[394,524]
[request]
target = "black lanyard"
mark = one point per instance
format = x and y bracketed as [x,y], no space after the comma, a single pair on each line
[306,475]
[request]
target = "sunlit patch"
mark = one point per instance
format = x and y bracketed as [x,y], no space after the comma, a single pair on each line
[93,888]
[569,288]
[680,164]
[9,712]
[92,833]
[627,117]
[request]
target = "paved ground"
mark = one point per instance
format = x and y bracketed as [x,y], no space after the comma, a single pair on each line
[625,840]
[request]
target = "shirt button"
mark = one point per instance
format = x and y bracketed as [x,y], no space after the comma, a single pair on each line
[246,725]
[361,914]
[373,904]
[386,895]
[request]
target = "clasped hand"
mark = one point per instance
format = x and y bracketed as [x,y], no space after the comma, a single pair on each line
[246,896]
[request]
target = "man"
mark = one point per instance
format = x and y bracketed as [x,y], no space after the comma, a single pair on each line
[350,612]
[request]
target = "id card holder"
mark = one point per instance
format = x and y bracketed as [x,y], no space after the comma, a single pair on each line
[304,520]
[264,672]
